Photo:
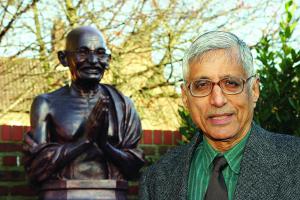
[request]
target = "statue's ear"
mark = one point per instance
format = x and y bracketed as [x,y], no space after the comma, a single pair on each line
[108,61]
[62,57]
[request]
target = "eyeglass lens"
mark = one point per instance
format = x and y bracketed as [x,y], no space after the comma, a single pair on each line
[203,87]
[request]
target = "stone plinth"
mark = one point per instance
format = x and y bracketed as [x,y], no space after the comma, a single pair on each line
[84,190]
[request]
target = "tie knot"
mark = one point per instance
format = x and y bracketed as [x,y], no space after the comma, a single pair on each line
[219,163]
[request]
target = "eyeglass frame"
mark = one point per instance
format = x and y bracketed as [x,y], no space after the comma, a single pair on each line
[76,52]
[218,83]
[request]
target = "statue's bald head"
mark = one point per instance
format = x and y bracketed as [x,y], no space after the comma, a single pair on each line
[86,55]
[85,36]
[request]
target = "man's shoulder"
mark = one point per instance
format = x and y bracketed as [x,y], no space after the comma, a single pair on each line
[284,144]
[174,158]
[281,138]
[287,153]
[284,141]
[287,144]
[165,178]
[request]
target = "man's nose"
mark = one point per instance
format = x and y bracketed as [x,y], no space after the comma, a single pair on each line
[217,97]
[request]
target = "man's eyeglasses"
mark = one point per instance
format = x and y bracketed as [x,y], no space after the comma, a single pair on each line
[84,54]
[228,85]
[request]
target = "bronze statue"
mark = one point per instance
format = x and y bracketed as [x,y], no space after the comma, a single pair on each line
[86,130]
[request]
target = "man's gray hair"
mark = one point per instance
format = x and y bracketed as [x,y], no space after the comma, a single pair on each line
[215,40]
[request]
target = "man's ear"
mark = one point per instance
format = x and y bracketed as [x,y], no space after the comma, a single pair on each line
[255,91]
[62,57]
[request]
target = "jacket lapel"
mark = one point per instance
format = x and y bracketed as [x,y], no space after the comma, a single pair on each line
[260,170]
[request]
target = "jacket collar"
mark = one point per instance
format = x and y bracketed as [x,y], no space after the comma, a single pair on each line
[187,155]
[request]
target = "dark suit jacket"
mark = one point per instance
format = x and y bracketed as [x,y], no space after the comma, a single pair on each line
[270,170]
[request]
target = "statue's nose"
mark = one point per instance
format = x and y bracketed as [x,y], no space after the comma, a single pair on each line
[93,58]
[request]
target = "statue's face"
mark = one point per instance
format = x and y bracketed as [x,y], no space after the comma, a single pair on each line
[86,56]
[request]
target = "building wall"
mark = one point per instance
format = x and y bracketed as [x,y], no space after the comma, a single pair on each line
[13,183]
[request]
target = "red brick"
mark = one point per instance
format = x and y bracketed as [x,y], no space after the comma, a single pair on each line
[9,160]
[168,137]
[23,190]
[9,147]
[16,133]
[157,137]
[5,133]
[177,137]
[147,137]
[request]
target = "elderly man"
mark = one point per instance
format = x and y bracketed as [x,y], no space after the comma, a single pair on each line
[85,130]
[234,158]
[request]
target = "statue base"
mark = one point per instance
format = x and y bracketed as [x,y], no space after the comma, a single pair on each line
[84,190]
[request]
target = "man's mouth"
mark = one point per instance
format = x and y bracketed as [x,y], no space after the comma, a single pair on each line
[220,119]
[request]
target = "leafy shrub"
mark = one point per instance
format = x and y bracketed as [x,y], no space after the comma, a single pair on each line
[278,108]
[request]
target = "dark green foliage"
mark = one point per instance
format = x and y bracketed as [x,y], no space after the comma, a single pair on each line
[187,127]
[278,108]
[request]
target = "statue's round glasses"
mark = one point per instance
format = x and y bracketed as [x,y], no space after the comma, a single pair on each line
[228,85]
[84,54]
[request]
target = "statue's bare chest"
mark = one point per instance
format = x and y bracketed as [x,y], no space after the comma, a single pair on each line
[68,115]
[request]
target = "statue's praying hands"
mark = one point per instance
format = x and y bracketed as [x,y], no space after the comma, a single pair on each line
[97,122]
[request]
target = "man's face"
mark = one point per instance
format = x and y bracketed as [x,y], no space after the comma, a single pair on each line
[84,64]
[220,116]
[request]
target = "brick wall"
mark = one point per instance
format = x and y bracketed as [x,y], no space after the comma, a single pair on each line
[13,184]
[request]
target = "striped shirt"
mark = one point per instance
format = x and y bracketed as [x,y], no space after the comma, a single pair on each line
[201,167]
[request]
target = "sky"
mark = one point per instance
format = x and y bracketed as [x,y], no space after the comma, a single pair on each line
[250,32]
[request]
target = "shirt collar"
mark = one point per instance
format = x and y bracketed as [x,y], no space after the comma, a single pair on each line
[233,155]
[209,152]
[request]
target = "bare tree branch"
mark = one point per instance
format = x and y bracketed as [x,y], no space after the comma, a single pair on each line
[15,17]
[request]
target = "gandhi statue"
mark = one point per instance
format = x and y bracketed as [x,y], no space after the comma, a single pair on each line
[85,130]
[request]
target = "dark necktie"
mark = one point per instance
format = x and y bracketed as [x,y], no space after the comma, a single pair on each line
[216,188]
